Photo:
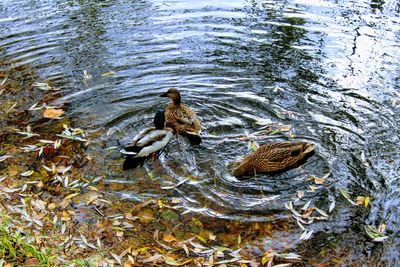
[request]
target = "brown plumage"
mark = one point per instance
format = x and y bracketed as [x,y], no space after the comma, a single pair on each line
[182,118]
[274,157]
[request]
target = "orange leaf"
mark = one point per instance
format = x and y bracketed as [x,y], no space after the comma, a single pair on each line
[52,113]
[169,238]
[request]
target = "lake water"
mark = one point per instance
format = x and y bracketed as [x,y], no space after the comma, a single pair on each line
[328,69]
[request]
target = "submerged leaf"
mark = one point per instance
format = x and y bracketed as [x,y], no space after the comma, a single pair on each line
[27,173]
[3,158]
[375,234]
[346,195]
[332,206]
[52,113]
[323,213]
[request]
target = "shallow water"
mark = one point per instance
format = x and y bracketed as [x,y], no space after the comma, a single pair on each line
[329,69]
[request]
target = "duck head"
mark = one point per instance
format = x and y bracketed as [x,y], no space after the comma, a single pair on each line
[240,171]
[174,95]
[159,119]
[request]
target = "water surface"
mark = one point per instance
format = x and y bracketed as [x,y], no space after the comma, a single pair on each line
[329,69]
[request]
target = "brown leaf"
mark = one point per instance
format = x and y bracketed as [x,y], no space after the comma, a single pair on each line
[52,113]
[32,262]
[360,200]
[307,213]
[318,180]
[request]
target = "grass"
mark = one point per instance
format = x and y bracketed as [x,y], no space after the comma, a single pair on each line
[14,248]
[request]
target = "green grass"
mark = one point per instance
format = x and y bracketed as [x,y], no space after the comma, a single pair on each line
[15,250]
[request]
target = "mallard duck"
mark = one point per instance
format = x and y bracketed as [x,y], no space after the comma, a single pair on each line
[181,118]
[273,157]
[147,142]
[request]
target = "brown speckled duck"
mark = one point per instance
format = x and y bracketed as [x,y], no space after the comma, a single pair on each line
[182,118]
[273,157]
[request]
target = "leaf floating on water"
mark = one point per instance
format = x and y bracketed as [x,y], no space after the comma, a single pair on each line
[43,86]
[306,235]
[274,132]
[318,180]
[375,234]
[364,159]
[300,225]
[323,213]
[289,256]
[346,196]
[366,202]
[289,205]
[178,184]
[332,206]
[306,205]
[111,148]
[108,73]
[253,145]
[52,113]
[86,76]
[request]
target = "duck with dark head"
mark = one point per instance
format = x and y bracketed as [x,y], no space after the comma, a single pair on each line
[182,118]
[147,142]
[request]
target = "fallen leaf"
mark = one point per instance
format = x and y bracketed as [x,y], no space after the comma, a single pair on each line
[346,196]
[169,238]
[52,113]
[318,180]
[360,200]
[212,237]
[32,262]
[366,202]
[71,196]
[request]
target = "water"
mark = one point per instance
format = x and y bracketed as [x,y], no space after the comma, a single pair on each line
[329,69]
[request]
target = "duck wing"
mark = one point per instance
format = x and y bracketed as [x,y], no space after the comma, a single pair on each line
[154,142]
[279,152]
[141,135]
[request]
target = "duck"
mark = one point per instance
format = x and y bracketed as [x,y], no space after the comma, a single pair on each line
[181,118]
[147,142]
[274,157]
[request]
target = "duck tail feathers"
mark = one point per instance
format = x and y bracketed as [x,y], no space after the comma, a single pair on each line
[132,163]
[194,139]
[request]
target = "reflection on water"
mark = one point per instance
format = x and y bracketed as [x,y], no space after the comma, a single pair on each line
[329,69]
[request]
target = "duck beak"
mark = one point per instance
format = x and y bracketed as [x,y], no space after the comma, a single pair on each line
[163,95]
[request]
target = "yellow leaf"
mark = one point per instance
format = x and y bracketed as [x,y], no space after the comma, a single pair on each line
[71,196]
[201,239]
[65,216]
[212,237]
[366,202]
[312,188]
[169,238]
[239,239]
[360,200]
[52,206]
[264,260]
[160,203]
[52,113]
